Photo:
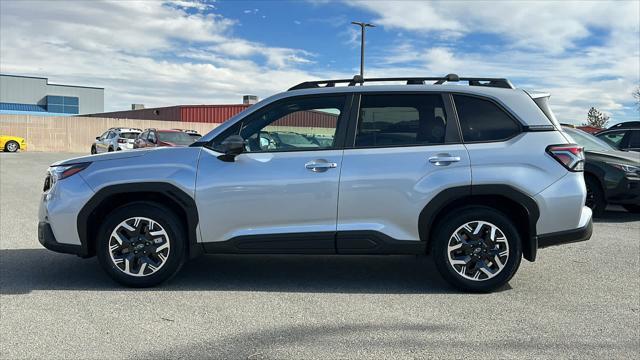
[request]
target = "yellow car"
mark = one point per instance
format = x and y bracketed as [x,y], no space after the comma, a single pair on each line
[12,143]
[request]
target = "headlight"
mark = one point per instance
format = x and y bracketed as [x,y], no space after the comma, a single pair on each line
[626,168]
[64,171]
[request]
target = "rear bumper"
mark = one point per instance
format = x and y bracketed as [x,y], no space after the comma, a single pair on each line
[48,240]
[567,236]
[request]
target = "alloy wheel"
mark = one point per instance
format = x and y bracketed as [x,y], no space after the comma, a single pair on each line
[478,250]
[139,246]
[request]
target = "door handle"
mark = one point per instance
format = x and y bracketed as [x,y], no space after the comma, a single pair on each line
[443,159]
[320,165]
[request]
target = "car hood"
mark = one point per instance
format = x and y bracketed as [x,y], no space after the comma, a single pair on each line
[115,155]
[622,157]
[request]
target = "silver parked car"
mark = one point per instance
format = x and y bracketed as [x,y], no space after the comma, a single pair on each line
[115,139]
[477,176]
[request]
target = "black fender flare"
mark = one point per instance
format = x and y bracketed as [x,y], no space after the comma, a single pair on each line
[186,203]
[451,195]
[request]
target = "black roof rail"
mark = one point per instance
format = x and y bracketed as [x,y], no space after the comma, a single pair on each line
[489,82]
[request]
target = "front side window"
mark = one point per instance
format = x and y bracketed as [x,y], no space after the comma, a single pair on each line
[401,120]
[152,136]
[306,123]
[634,139]
[482,120]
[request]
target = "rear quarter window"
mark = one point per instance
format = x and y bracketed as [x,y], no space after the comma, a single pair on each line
[482,120]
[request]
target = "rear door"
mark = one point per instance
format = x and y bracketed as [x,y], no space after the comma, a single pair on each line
[404,148]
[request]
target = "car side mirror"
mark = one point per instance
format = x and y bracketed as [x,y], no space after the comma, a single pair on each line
[231,147]
[97,137]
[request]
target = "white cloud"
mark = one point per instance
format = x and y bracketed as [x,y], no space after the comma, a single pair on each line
[585,53]
[143,51]
[553,25]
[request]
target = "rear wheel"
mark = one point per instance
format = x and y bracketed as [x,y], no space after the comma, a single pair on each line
[141,244]
[595,196]
[632,208]
[479,249]
[11,146]
[110,149]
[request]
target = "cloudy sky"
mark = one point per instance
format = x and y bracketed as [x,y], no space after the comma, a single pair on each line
[584,53]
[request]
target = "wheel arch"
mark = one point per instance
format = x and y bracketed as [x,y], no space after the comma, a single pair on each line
[520,207]
[111,197]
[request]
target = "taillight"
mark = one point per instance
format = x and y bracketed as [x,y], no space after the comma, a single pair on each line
[122,141]
[571,156]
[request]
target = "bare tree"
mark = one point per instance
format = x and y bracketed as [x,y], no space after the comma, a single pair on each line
[597,118]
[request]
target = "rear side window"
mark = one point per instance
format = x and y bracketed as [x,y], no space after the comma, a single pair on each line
[482,120]
[401,120]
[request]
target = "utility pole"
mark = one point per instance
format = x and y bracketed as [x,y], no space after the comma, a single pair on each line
[362,25]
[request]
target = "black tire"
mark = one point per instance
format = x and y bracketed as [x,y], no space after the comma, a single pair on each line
[110,149]
[11,146]
[635,209]
[93,150]
[444,232]
[176,238]
[595,196]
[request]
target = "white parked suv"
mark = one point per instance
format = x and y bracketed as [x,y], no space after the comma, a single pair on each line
[115,139]
[476,176]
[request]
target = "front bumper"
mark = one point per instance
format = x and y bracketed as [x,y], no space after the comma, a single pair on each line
[48,240]
[626,192]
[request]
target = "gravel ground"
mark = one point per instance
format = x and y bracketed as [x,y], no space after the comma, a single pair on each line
[579,300]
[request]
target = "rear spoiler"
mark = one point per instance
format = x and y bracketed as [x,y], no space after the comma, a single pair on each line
[542,100]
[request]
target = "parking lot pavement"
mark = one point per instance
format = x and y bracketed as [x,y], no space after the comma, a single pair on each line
[578,300]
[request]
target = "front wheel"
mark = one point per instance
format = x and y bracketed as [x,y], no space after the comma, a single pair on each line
[595,197]
[93,150]
[141,244]
[479,249]
[11,146]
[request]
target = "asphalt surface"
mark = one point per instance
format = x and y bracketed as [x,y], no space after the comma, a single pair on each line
[576,301]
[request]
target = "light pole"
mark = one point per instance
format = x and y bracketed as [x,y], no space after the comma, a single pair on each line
[362,25]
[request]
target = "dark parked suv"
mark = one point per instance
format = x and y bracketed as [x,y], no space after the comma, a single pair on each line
[611,176]
[624,136]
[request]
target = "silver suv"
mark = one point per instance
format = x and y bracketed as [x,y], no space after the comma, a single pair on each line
[477,176]
[115,139]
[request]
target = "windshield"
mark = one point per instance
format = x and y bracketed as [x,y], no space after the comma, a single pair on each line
[588,141]
[175,137]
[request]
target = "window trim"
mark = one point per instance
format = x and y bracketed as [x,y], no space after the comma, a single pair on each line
[515,119]
[452,136]
[341,126]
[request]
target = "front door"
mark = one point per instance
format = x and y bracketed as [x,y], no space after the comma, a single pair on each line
[403,151]
[281,194]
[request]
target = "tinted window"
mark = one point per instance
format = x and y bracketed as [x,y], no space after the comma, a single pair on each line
[482,120]
[634,139]
[614,138]
[128,135]
[111,135]
[175,137]
[152,136]
[401,120]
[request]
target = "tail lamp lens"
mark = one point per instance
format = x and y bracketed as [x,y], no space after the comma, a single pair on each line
[571,156]
[122,141]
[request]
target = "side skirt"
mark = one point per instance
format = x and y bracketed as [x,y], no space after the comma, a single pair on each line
[343,242]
